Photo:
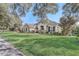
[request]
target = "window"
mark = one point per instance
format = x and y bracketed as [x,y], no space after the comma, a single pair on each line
[26,29]
[54,28]
[42,27]
[48,29]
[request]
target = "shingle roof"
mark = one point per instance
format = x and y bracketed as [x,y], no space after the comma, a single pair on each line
[46,21]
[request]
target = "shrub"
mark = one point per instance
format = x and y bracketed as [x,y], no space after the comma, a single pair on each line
[56,33]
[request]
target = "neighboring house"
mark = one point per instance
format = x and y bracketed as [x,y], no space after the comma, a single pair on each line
[28,28]
[25,28]
[31,28]
[47,26]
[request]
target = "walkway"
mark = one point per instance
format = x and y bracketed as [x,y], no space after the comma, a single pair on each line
[6,49]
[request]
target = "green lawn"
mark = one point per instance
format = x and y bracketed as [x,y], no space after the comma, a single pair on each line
[42,45]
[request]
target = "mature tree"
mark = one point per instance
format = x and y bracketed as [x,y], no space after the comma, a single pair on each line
[67,24]
[8,20]
[15,22]
[69,18]
[4,18]
[3,11]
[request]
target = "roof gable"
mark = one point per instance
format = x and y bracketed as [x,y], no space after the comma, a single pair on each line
[47,21]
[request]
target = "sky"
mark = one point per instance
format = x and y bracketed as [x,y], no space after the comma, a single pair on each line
[30,19]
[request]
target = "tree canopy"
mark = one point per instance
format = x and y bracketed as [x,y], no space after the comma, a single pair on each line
[38,9]
[71,9]
[6,19]
[42,9]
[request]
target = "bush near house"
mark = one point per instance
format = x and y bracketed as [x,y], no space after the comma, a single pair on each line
[76,32]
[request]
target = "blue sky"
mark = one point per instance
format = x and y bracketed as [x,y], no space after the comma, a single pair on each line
[30,19]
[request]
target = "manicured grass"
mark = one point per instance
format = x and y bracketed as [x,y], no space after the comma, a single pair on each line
[42,45]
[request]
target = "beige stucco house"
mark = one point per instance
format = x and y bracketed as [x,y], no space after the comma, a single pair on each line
[47,26]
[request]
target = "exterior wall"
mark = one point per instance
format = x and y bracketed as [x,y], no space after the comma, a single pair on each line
[31,30]
[58,29]
[39,26]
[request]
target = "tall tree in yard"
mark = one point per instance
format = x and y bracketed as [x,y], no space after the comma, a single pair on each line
[4,17]
[71,13]
[67,24]
[7,20]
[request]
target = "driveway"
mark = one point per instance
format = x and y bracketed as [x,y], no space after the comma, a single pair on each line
[6,49]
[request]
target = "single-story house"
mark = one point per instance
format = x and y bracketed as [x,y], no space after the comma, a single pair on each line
[28,28]
[47,26]
[43,26]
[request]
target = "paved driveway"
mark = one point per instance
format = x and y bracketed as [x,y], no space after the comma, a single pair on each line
[6,49]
